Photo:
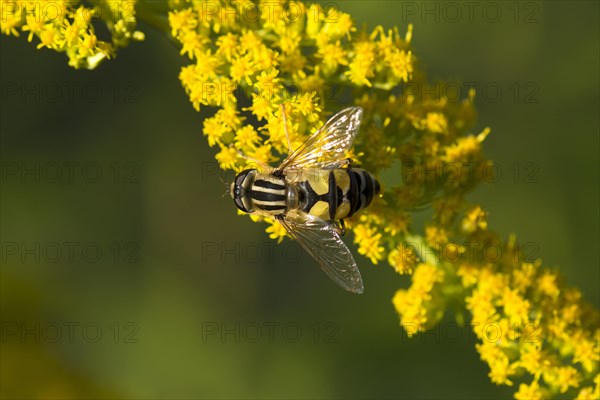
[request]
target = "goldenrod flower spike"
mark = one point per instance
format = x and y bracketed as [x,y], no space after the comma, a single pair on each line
[295,55]
[247,59]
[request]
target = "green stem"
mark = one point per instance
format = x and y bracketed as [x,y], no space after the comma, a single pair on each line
[154,13]
[424,252]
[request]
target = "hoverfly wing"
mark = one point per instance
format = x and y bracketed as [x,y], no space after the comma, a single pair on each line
[328,144]
[322,241]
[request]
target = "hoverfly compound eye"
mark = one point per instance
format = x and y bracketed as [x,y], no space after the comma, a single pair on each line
[240,204]
[239,180]
[245,178]
[243,182]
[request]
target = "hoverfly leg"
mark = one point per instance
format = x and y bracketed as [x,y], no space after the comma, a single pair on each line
[287,134]
[342,228]
[351,163]
[340,164]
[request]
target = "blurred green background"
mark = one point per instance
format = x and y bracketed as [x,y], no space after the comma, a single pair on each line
[144,318]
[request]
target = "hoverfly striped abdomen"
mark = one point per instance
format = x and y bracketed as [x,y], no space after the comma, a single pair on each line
[337,193]
[364,186]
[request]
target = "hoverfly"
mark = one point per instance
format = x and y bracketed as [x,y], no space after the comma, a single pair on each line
[312,189]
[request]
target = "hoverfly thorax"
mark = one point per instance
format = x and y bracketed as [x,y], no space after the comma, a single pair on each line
[265,194]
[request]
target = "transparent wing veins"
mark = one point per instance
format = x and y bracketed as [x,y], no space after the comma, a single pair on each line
[322,241]
[327,146]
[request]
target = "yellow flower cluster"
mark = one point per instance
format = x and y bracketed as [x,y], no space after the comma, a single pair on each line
[529,324]
[369,240]
[418,305]
[255,61]
[251,59]
[403,259]
[274,66]
[271,67]
[68,27]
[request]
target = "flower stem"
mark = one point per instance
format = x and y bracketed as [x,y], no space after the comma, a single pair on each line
[424,252]
[154,13]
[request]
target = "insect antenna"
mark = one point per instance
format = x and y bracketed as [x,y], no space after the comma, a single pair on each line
[227,187]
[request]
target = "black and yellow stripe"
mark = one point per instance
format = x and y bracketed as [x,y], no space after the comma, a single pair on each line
[363,189]
[269,194]
[348,191]
[332,194]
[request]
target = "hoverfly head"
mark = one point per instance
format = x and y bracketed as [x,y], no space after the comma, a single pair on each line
[240,187]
